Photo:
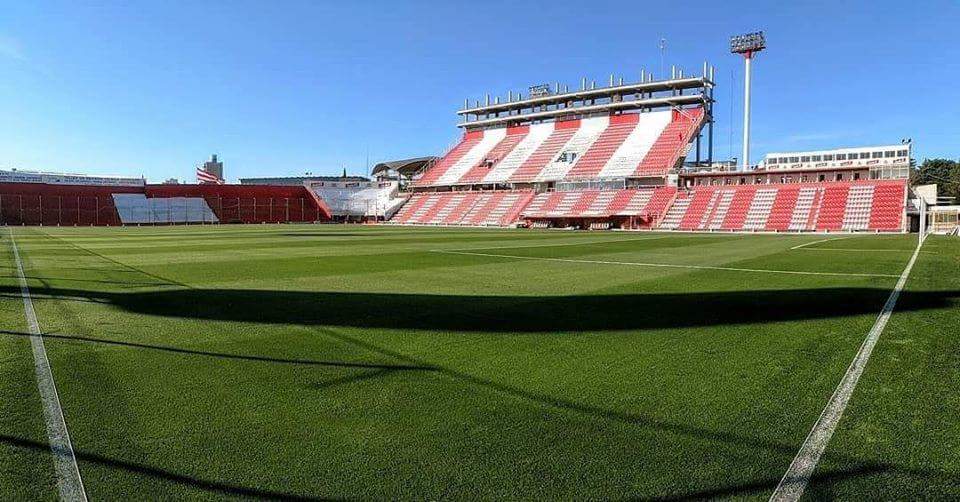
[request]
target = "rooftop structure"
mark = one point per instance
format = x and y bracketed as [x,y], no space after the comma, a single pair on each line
[546,102]
[300,180]
[18,176]
[883,162]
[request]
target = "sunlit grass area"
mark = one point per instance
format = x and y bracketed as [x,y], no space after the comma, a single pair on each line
[364,362]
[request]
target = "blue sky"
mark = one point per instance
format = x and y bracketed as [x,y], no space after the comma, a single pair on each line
[280,88]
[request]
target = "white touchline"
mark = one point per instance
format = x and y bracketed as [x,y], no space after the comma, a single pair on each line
[664,265]
[821,240]
[68,473]
[795,480]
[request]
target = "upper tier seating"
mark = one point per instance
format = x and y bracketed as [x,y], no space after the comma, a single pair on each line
[616,146]
[671,144]
[480,170]
[828,207]
[439,168]
[508,164]
[574,150]
[546,152]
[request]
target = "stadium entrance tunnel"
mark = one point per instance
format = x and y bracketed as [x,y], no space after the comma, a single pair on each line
[505,314]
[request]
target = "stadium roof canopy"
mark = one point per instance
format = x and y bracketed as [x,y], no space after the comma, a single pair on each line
[298,180]
[405,167]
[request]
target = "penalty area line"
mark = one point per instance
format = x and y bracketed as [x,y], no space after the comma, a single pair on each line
[559,244]
[795,480]
[663,265]
[69,483]
[801,246]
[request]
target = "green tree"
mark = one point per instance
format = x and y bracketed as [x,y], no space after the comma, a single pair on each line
[945,173]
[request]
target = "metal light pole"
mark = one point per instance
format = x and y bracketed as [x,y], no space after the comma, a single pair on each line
[747,45]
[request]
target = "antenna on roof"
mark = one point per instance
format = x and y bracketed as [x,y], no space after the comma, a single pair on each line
[663,49]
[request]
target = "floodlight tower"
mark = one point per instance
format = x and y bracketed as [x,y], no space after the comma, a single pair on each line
[747,45]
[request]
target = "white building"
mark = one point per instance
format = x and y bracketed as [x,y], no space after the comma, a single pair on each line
[882,162]
[17,176]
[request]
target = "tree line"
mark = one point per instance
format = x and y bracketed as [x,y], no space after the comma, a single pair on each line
[945,173]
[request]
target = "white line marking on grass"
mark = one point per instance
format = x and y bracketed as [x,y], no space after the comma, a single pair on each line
[821,240]
[68,473]
[858,250]
[664,265]
[609,241]
[795,480]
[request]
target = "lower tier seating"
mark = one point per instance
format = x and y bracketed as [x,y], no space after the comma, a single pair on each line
[73,205]
[876,206]
[495,208]
[136,208]
[646,205]
[826,207]
[366,199]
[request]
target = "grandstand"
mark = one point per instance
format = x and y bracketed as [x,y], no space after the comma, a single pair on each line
[91,205]
[829,207]
[348,200]
[616,157]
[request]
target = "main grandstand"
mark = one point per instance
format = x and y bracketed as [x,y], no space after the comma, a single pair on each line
[614,157]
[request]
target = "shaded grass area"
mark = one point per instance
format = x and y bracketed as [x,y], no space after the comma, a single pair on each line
[26,472]
[211,370]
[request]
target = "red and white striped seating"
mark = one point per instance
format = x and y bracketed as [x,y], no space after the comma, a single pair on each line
[649,203]
[616,146]
[827,207]
[496,208]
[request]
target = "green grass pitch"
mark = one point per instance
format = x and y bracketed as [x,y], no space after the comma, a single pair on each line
[373,362]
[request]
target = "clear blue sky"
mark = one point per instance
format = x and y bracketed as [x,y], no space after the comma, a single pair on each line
[279,88]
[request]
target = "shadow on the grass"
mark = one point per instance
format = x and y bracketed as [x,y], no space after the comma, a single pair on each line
[505,314]
[224,355]
[162,474]
[821,484]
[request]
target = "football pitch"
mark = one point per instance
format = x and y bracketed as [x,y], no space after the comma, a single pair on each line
[380,362]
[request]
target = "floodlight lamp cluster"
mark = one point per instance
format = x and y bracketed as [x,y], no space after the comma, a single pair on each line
[748,43]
